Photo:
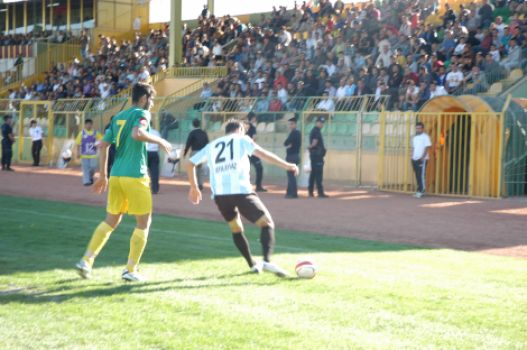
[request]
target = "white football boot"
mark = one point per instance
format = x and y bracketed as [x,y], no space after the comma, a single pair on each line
[83,269]
[273,268]
[132,276]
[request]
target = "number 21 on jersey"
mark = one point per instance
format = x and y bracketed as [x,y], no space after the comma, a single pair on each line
[220,158]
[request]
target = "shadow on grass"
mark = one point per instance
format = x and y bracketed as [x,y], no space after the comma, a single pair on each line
[41,235]
[70,289]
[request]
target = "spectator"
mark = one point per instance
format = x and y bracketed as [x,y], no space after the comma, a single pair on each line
[436,90]
[153,162]
[454,79]
[282,94]
[513,59]
[206,92]
[36,133]
[292,145]
[420,145]
[326,104]
[8,138]
[87,141]
[255,161]
[486,13]
[317,152]
[410,96]
[475,82]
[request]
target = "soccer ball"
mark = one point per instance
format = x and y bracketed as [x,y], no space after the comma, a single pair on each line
[66,155]
[305,269]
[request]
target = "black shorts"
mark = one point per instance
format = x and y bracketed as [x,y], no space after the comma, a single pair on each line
[248,205]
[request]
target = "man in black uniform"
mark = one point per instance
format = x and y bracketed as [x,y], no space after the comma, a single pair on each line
[292,145]
[317,151]
[196,140]
[7,143]
[255,161]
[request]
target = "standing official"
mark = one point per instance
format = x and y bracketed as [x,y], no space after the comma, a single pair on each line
[111,150]
[153,161]
[87,150]
[420,145]
[317,151]
[7,143]
[255,161]
[292,145]
[196,140]
[35,132]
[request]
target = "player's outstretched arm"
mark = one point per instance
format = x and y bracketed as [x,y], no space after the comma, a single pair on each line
[272,158]
[194,194]
[102,182]
[140,134]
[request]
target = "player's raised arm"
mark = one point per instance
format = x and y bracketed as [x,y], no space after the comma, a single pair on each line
[194,194]
[102,182]
[141,134]
[274,159]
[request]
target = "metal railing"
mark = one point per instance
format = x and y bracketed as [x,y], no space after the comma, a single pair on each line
[190,72]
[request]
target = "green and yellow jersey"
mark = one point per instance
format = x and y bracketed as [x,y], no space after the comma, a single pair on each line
[130,155]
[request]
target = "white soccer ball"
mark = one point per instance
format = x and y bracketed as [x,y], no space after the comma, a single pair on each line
[66,155]
[306,269]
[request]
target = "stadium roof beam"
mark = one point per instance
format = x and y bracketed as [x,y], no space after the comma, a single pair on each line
[210,6]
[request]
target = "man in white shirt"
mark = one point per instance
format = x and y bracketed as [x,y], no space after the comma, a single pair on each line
[341,91]
[35,132]
[153,162]
[228,161]
[144,75]
[436,90]
[326,104]
[285,37]
[281,93]
[420,145]
[454,79]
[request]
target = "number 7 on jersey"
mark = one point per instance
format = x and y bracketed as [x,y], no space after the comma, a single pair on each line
[121,124]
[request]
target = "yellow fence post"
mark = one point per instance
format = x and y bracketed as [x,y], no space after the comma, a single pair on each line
[51,133]
[20,132]
[407,118]
[472,164]
[501,141]
[359,148]
[382,135]
[438,153]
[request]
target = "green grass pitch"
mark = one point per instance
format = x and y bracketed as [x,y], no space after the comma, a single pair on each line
[367,295]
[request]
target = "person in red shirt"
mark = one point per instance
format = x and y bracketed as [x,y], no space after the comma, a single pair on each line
[275,105]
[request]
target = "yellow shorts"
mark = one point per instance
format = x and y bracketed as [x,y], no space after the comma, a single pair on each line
[129,195]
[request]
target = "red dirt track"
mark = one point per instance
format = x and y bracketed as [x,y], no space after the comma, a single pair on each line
[492,226]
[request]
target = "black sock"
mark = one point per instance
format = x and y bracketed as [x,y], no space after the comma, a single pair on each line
[267,240]
[240,241]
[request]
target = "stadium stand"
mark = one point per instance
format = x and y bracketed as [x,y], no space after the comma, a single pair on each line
[398,48]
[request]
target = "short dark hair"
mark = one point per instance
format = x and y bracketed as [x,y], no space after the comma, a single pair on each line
[141,89]
[7,117]
[88,121]
[32,122]
[196,122]
[420,124]
[251,115]
[233,125]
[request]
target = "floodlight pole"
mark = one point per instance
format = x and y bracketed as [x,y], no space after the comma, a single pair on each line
[176,38]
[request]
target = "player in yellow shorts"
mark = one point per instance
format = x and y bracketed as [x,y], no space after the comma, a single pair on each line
[129,184]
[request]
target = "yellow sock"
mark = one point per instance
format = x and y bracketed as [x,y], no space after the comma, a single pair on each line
[98,240]
[137,246]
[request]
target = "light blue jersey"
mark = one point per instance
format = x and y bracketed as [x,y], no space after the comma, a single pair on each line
[229,166]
